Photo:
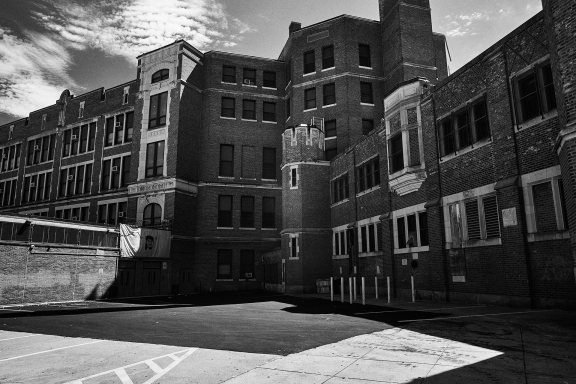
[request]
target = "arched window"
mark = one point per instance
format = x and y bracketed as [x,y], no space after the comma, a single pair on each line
[152,215]
[160,75]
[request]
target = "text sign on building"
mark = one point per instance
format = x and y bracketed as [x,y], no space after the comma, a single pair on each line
[509,217]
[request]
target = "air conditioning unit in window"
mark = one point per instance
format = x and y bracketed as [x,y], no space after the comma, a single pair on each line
[248,82]
[32,185]
[115,168]
[74,137]
[75,218]
[118,124]
[120,214]
[70,177]
[248,275]
[36,147]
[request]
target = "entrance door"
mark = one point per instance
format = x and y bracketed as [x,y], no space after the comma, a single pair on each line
[126,274]
[186,281]
[151,278]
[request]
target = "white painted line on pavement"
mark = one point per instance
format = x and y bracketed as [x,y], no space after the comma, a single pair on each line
[460,317]
[21,337]
[14,310]
[153,366]
[51,350]
[420,310]
[123,376]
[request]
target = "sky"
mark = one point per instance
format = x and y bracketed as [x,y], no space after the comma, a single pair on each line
[47,46]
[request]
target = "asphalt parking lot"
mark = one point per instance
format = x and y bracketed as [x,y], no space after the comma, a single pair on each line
[261,337]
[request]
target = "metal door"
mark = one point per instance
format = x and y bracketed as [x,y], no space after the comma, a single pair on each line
[126,278]
[151,278]
[186,281]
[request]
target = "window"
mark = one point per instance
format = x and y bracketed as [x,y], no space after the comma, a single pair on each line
[152,215]
[10,157]
[464,128]
[113,213]
[269,163]
[309,62]
[368,234]
[310,98]
[269,113]
[11,132]
[126,93]
[246,264]
[368,175]
[367,126]
[43,124]
[226,160]
[549,207]
[228,107]
[288,108]
[155,159]
[115,173]
[330,128]
[224,269]
[249,109]
[294,177]
[339,243]
[158,110]
[42,149]
[36,187]
[474,219]
[534,93]
[364,56]
[328,57]
[7,192]
[75,180]
[329,154]
[329,94]
[225,211]
[81,110]
[249,76]
[160,75]
[294,249]
[340,188]
[412,230]
[119,129]
[247,212]
[268,212]
[73,213]
[229,74]
[269,79]
[366,96]
[396,154]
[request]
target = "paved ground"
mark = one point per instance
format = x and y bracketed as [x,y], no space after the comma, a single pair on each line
[267,338]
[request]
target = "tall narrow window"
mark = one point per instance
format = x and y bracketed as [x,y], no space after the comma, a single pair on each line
[119,127]
[155,159]
[228,74]
[294,247]
[91,138]
[109,135]
[129,127]
[225,211]
[269,79]
[125,170]
[224,264]
[401,232]
[293,177]
[396,154]
[309,62]
[228,107]
[446,138]
[288,108]
[268,212]
[269,163]
[81,110]
[364,57]
[269,113]
[310,98]
[249,109]
[226,160]
[126,93]
[328,57]
[366,95]
[329,94]
[534,93]
[247,212]
[423,222]
[158,110]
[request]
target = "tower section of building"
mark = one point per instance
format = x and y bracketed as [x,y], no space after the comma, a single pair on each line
[306,233]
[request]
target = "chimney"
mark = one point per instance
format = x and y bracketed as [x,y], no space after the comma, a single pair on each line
[294,26]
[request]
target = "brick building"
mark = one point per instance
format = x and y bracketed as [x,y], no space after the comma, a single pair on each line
[352,154]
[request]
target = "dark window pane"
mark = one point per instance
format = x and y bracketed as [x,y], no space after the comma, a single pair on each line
[269,79]
[129,127]
[229,74]
[396,154]
[269,111]
[528,92]
[250,76]
[268,212]
[367,126]
[310,98]
[401,232]
[329,94]
[247,264]
[462,130]
[364,55]
[446,138]
[247,212]
[366,95]
[423,222]
[224,264]
[225,211]
[330,128]
[328,57]
[249,109]
[160,75]
[269,163]
[228,107]
[109,138]
[309,62]
[226,160]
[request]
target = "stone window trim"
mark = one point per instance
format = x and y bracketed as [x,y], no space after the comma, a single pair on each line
[159,103]
[119,128]
[115,172]
[10,157]
[370,227]
[71,182]
[160,75]
[82,212]
[36,212]
[460,199]
[340,242]
[374,176]
[415,210]
[294,177]
[294,246]
[476,139]
[549,175]
[339,188]
[546,101]
[36,187]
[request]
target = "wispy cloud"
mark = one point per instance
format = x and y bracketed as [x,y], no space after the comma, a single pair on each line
[33,71]
[133,27]
[464,24]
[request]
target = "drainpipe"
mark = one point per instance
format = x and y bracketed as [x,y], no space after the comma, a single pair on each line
[521,192]
[392,258]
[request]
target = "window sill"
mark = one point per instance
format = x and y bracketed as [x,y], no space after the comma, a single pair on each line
[367,104]
[330,138]
[226,178]
[309,110]
[227,118]
[45,162]
[536,120]
[370,254]
[224,227]
[339,257]
[150,129]
[340,203]
[309,74]
[329,105]
[478,144]
[548,236]
[363,67]
[225,82]
[479,243]
[269,122]
[368,191]
[224,279]
[293,258]
[401,251]
[293,187]
[328,69]
[247,229]
[249,85]
[270,180]
[250,120]
[269,229]
[270,88]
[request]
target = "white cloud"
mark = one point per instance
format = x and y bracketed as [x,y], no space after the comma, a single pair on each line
[33,72]
[131,28]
